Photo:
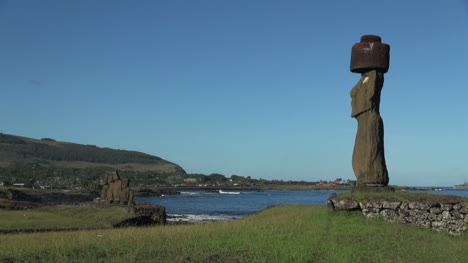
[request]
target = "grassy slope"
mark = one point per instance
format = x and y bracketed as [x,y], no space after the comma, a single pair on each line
[60,217]
[281,234]
[11,152]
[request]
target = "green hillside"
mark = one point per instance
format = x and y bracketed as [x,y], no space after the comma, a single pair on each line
[46,161]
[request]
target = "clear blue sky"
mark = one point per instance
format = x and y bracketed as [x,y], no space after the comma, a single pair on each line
[254,88]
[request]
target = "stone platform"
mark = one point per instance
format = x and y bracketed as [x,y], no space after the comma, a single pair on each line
[446,216]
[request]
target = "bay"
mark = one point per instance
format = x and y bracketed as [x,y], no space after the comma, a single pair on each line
[205,206]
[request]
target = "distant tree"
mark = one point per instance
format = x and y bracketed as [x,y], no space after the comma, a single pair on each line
[213,178]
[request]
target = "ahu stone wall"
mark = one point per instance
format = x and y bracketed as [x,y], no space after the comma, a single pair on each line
[450,217]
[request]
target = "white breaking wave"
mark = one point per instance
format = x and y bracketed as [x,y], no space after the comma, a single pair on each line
[200,218]
[228,193]
[190,193]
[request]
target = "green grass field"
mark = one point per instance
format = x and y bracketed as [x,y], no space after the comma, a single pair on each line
[280,234]
[60,217]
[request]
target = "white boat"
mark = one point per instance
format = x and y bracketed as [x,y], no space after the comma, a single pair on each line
[228,193]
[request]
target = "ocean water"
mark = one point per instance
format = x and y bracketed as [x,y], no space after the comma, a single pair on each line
[445,191]
[204,206]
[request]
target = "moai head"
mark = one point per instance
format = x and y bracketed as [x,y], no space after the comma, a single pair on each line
[370,54]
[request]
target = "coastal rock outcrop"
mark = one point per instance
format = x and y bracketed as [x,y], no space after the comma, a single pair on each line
[370,58]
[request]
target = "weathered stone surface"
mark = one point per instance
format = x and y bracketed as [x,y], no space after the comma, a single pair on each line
[446,207]
[419,206]
[464,208]
[104,191]
[346,204]
[439,225]
[420,213]
[434,217]
[370,54]
[455,214]
[389,214]
[115,190]
[390,205]
[446,215]
[374,204]
[368,155]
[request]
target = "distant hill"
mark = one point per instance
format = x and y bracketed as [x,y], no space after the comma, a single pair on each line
[21,156]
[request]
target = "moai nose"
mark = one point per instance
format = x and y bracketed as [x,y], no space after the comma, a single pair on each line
[370,54]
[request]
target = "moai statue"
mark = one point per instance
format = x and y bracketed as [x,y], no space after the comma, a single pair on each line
[110,182]
[371,59]
[116,187]
[104,189]
[115,190]
[125,192]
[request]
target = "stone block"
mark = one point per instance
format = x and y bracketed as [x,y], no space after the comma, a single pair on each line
[374,204]
[418,215]
[464,209]
[438,225]
[424,206]
[446,215]
[347,205]
[389,214]
[446,207]
[455,214]
[390,205]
